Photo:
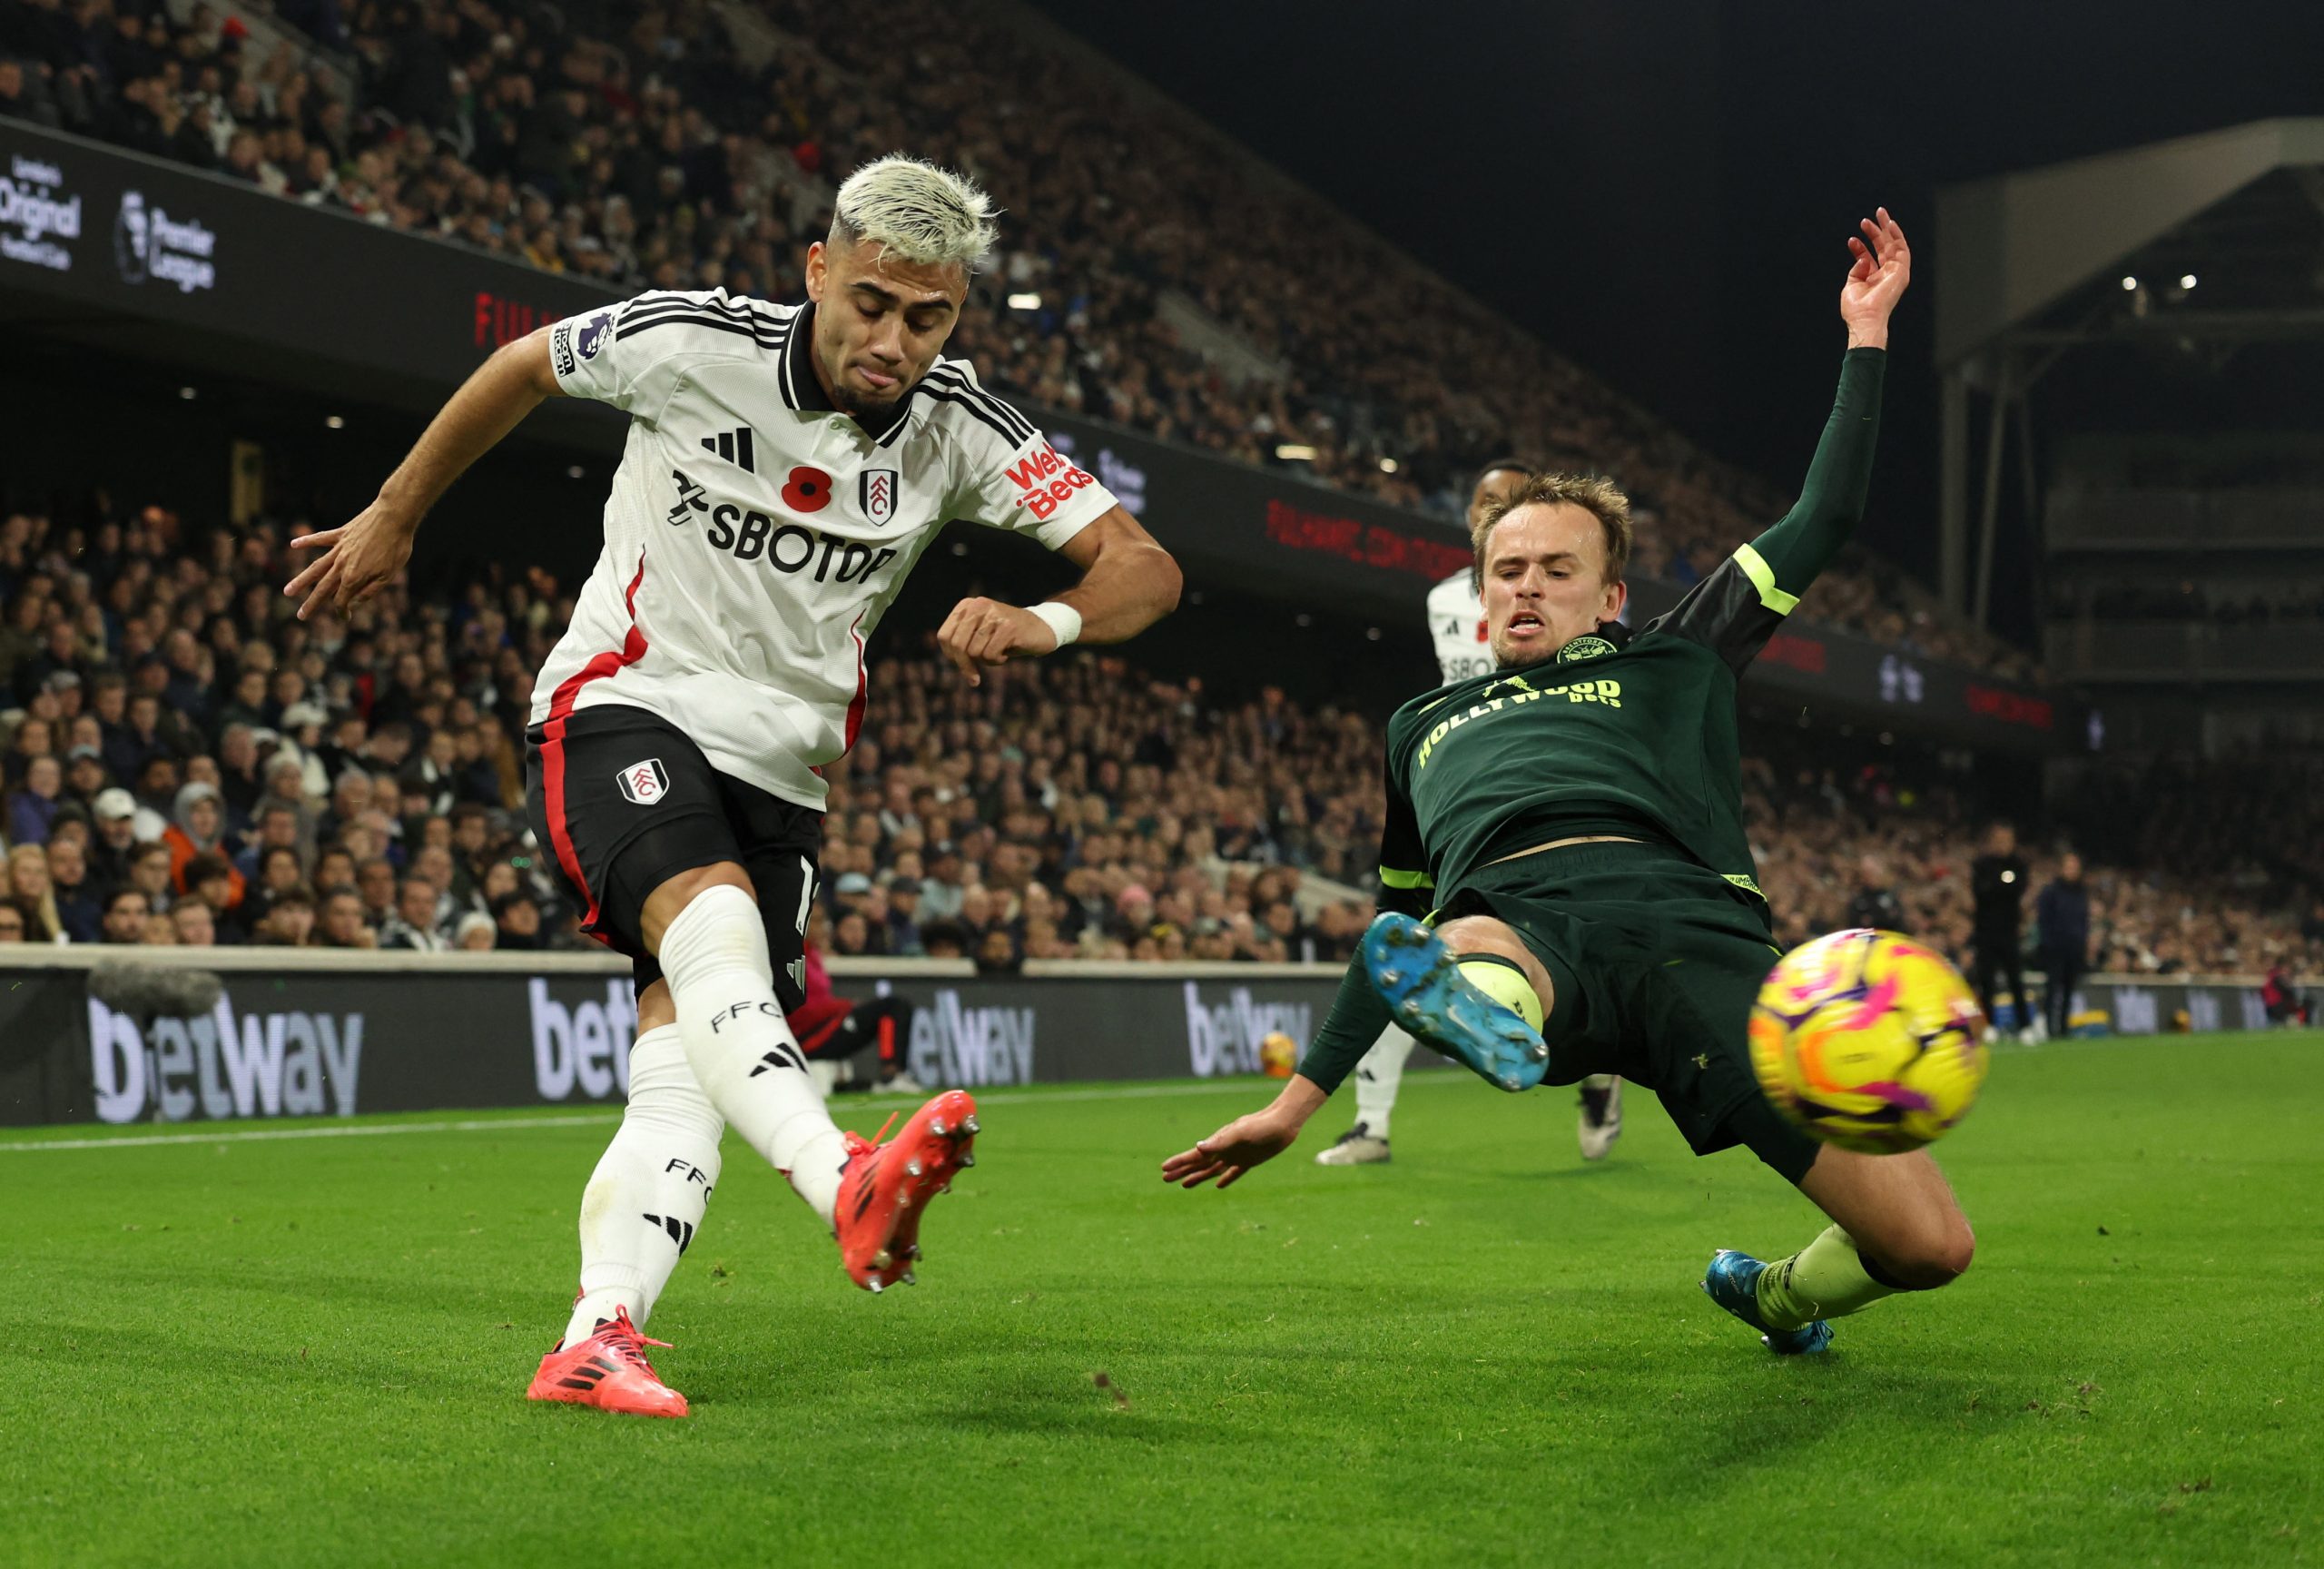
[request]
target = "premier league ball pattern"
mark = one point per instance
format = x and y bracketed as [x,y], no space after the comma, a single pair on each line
[1868,1040]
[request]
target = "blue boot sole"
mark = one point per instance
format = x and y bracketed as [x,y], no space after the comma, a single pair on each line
[1421,981]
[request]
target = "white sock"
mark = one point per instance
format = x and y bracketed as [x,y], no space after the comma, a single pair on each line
[645,1201]
[1377,1079]
[1600,1081]
[741,1052]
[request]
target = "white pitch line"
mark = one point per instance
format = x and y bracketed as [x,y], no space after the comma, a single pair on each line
[495,1124]
[255,1135]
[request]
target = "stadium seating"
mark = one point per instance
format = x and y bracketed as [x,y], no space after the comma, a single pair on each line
[367,790]
[593,153]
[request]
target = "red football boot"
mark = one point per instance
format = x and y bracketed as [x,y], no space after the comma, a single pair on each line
[885,1186]
[608,1370]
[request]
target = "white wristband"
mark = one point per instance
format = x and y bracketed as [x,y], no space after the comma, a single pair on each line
[1062,619]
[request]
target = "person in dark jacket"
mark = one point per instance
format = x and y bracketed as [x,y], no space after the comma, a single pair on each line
[1997,884]
[1874,903]
[2062,914]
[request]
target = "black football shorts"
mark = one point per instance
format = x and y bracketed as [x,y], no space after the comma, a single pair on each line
[1655,962]
[623,801]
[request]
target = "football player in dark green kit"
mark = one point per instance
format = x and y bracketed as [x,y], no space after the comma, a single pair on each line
[1575,821]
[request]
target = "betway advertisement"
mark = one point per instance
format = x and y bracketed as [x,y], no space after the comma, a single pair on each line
[337,1043]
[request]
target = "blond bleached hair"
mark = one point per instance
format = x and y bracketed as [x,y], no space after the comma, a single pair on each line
[918,211]
[1594,494]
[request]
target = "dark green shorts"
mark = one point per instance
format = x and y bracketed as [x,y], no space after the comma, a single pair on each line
[1656,961]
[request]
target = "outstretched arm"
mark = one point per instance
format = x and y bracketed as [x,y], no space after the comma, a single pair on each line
[1832,497]
[1739,606]
[1248,1140]
[1352,1029]
[360,556]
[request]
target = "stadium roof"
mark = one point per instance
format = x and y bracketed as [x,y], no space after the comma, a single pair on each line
[2096,248]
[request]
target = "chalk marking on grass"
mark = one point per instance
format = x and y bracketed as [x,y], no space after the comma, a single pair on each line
[1000,1098]
[492,1124]
[255,1135]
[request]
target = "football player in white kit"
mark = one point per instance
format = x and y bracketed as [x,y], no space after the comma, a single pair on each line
[1456,622]
[785,467]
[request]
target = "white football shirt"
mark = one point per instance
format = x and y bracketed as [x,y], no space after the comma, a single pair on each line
[1456,622]
[754,536]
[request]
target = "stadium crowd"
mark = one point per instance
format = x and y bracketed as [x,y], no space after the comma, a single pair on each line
[647,143]
[183,761]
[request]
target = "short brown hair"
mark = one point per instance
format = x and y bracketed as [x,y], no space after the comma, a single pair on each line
[1593,493]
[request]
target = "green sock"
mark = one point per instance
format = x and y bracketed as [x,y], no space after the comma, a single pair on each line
[1825,1280]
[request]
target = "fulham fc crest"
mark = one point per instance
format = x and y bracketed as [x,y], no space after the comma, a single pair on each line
[644,782]
[876,490]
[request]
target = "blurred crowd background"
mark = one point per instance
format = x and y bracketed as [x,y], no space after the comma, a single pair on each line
[673,144]
[183,761]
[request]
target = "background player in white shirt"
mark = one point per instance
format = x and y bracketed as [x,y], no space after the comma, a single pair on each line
[785,467]
[1456,624]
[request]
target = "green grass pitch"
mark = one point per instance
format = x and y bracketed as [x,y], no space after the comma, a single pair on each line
[313,1350]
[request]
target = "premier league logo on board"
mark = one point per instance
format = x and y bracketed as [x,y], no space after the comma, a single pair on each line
[592,336]
[644,782]
[132,233]
[147,242]
[876,490]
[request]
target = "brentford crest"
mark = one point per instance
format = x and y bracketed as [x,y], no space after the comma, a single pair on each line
[876,490]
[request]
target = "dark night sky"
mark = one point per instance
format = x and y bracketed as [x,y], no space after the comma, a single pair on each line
[1663,189]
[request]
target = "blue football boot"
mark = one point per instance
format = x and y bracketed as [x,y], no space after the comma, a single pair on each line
[1733,1282]
[1421,981]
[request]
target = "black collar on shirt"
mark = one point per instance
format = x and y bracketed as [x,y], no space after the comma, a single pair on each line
[802,391]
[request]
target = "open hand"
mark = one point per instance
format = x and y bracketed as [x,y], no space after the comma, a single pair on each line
[358,559]
[985,633]
[1883,269]
[1232,1151]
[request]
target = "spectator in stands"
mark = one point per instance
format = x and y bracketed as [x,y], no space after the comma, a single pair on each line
[517,920]
[115,815]
[998,953]
[12,921]
[241,781]
[79,910]
[375,882]
[412,924]
[29,886]
[84,778]
[126,913]
[274,828]
[474,933]
[940,893]
[32,740]
[149,872]
[190,920]
[340,923]
[902,937]
[288,922]
[2062,930]
[212,882]
[33,805]
[197,827]
[286,788]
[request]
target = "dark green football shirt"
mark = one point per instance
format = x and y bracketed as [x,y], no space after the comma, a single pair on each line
[1622,733]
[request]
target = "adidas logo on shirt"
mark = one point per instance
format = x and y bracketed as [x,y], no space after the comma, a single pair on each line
[735,446]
